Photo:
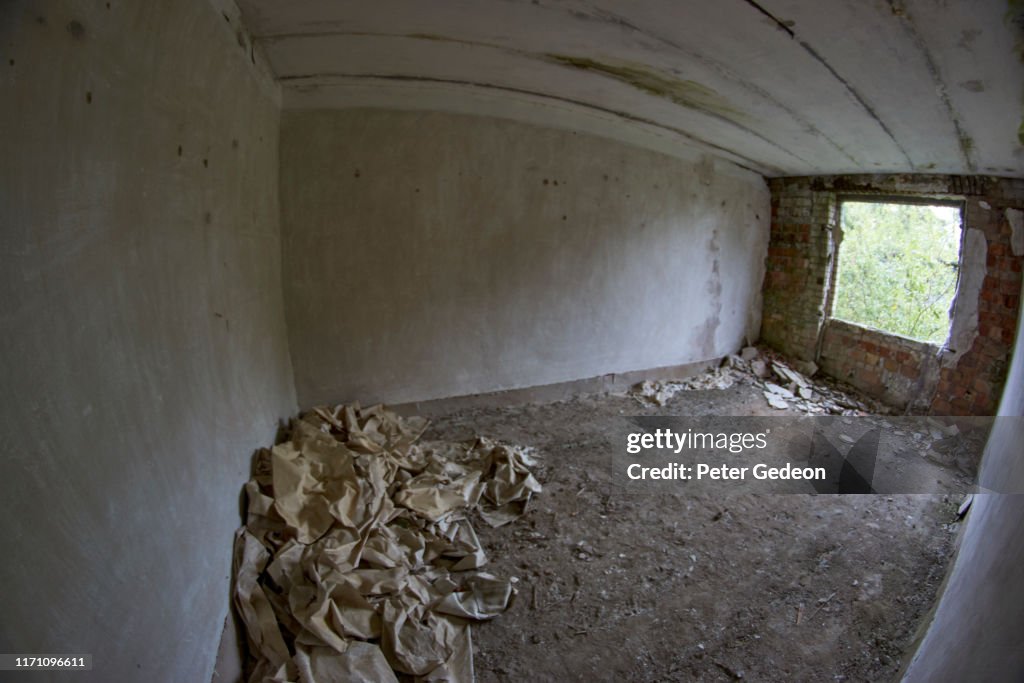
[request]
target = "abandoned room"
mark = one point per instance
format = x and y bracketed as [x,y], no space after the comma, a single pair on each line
[512,340]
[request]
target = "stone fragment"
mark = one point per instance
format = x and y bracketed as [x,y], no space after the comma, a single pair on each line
[781,391]
[759,368]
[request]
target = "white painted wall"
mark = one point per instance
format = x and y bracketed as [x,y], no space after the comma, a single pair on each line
[430,255]
[975,631]
[143,353]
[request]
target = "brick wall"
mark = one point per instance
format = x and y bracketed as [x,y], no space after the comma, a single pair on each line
[965,377]
[797,268]
[891,368]
[973,385]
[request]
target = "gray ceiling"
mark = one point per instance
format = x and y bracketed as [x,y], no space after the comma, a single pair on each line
[783,87]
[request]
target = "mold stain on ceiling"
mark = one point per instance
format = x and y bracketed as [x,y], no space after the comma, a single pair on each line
[782,87]
[682,92]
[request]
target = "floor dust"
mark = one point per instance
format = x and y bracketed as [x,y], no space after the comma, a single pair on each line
[677,586]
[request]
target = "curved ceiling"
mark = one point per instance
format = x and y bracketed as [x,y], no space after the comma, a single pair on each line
[781,87]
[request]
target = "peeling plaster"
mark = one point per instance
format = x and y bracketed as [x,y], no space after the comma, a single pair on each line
[973,270]
[1015,217]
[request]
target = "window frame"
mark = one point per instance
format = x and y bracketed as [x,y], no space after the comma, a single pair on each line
[958,203]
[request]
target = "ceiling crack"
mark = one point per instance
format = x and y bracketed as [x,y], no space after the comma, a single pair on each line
[782,25]
[860,100]
[785,26]
[963,139]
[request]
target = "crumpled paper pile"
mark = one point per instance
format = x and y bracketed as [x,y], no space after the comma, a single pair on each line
[358,560]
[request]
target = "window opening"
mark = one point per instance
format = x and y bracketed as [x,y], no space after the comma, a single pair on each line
[898,265]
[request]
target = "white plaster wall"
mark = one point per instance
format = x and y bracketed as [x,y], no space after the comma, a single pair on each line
[430,255]
[975,631]
[143,354]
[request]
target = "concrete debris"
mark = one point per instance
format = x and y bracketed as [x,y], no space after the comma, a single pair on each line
[660,392]
[781,391]
[791,376]
[940,430]
[760,368]
[748,353]
[657,392]
[358,559]
[786,384]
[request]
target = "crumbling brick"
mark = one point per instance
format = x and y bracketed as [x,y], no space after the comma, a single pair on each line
[799,285]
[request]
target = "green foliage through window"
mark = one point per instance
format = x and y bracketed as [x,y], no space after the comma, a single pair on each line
[897,267]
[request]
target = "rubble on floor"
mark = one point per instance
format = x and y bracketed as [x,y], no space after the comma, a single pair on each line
[660,392]
[785,384]
[664,585]
[358,559]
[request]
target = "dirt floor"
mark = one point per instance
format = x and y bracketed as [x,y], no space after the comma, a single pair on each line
[677,586]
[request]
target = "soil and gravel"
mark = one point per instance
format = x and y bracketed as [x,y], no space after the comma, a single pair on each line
[681,586]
